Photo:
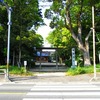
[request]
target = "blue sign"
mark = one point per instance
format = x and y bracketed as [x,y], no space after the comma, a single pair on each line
[1,0]
[45,54]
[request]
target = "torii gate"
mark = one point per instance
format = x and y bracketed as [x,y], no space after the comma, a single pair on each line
[48,48]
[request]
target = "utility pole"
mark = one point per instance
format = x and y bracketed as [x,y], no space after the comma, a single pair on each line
[93,28]
[9,10]
[8,42]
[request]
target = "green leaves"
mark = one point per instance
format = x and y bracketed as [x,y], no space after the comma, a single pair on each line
[9,2]
[25,15]
[60,38]
[1,28]
[91,2]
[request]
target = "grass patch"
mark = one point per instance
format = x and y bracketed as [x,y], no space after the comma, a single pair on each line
[19,71]
[82,70]
[3,67]
[15,70]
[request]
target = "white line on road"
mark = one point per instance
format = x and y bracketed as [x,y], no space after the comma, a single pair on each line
[64,89]
[63,93]
[61,99]
[42,99]
[65,86]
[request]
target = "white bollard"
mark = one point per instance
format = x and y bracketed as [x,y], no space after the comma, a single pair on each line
[25,64]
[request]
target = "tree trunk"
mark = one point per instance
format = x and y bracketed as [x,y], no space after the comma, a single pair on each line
[83,46]
[86,57]
[13,57]
[19,58]
[85,51]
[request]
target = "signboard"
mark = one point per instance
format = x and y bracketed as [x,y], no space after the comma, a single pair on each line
[73,58]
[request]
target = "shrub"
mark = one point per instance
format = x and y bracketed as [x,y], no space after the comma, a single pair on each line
[68,63]
[75,71]
[19,71]
[3,67]
[81,70]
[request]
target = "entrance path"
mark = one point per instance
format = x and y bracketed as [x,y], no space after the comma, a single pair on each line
[56,77]
[52,77]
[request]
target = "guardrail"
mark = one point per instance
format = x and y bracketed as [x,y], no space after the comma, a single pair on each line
[3,71]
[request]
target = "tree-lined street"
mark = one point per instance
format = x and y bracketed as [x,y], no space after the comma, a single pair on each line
[49,91]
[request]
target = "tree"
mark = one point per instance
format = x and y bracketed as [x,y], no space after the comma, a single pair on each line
[76,16]
[26,18]
[26,15]
[28,42]
[62,39]
[82,44]
[3,32]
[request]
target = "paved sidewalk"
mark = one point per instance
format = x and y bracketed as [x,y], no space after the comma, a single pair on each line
[50,77]
[2,78]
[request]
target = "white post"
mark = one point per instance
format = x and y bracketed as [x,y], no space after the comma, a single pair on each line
[93,27]
[25,64]
[99,55]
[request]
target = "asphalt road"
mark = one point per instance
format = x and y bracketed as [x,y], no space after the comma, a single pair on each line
[17,91]
[14,91]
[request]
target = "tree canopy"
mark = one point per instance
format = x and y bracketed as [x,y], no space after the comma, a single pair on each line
[26,18]
[70,19]
[75,16]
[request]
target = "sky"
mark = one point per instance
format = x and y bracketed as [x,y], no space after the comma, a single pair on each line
[44,30]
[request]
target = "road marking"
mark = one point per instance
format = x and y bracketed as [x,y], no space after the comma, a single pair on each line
[42,99]
[64,89]
[61,99]
[19,93]
[65,86]
[81,99]
[63,93]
